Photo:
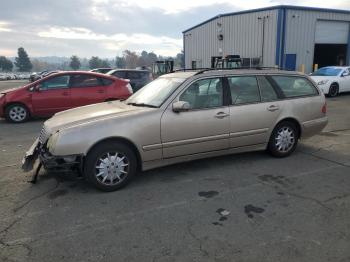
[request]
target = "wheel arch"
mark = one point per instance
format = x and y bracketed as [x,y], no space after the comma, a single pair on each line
[17,103]
[122,140]
[294,121]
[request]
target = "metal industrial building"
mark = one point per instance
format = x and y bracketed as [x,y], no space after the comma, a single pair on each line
[290,37]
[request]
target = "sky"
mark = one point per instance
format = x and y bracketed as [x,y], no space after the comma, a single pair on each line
[105,28]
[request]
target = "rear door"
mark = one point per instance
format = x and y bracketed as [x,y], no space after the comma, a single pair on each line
[52,95]
[253,111]
[87,89]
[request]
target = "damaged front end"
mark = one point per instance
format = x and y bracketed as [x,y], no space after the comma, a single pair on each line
[41,150]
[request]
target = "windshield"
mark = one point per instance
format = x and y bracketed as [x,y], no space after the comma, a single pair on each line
[156,92]
[327,71]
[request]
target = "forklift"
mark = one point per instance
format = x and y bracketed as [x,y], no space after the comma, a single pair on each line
[162,67]
[227,62]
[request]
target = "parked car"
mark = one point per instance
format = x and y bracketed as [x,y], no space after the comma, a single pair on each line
[35,76]
[3,77]
[138,78]
[101,70]
[180,117]
[332,80]
[60,91]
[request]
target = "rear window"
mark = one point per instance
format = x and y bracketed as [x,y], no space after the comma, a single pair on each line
[292,86]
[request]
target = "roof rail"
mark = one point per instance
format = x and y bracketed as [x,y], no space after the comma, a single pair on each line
[202,70]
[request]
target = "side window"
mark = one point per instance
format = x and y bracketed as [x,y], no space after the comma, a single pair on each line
[58,82]
[106,82]
[244,89]
[84,81]
[206,93]
[266,90]
[120,74]
[293,86]
[133,75]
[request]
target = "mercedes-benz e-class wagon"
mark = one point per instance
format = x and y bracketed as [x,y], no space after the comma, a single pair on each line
[180,117]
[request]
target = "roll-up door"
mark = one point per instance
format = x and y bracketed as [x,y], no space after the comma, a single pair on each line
[331,32]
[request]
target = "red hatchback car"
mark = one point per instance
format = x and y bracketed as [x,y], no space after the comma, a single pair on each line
[61,91]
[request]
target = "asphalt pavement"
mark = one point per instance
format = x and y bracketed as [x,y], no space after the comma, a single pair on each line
[244,207]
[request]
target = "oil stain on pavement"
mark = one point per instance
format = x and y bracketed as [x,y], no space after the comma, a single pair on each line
[250,209]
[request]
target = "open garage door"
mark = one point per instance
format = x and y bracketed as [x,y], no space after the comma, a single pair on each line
[331,40]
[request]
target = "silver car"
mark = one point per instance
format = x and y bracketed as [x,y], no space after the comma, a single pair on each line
[180,117]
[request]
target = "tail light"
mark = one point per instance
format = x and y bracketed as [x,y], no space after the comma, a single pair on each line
[324,108]
[128,86]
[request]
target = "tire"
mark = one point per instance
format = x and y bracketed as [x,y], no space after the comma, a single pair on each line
[333,90]
[17,113]
[118,167]
[283,140]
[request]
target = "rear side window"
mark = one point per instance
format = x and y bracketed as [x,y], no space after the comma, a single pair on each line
[120,74]
[292,86]
[267,92]
[134,75]
[244,89]
[106,82]
[84,81]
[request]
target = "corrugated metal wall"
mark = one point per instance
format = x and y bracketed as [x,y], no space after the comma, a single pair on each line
[300,33]
[242,36]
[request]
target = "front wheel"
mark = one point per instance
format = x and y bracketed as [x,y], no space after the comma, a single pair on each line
[16,113]
[333,90]
[110,166]
[283,140]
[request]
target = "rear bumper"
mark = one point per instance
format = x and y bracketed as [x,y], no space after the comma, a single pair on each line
[313,127]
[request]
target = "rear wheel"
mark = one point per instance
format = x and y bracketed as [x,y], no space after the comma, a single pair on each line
[283,140]
[110,166]
[16,113]
[333,90]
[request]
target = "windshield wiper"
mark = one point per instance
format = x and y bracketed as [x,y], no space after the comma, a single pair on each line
[142,104]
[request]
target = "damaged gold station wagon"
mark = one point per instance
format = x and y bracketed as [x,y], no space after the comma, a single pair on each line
[180,117]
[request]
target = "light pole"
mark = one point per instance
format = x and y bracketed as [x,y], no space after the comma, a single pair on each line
[263,18]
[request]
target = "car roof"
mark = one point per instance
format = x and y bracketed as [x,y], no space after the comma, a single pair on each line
[335,67]
[130,70]
[83,73]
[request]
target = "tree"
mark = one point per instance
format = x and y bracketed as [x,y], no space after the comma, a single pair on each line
[105,63]
[5,64]
[95,62]
[180,60]
[131,59]
[22,62]
[74,62]
[120,62]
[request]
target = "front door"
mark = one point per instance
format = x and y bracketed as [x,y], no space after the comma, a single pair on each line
[51,96]
[252,112]
[86,90]
[203,128]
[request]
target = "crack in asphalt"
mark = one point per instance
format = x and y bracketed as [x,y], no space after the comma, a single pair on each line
[16,209]
[324,158]
[201,249]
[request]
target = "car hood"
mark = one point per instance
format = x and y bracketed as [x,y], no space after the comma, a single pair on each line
[12,90]
[90,113]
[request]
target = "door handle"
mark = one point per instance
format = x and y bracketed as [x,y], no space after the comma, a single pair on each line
[273,108]
[221,115]
[100,91]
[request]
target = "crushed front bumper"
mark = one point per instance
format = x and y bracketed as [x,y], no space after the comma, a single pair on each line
[50,162]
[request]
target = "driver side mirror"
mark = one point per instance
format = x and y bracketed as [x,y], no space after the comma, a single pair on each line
[181,106]
[345,74]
